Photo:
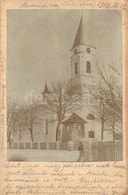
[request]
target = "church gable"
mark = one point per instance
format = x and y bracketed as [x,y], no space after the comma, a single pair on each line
[74,118]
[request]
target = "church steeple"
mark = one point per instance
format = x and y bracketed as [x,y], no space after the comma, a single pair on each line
[82,35]
[83,58]
[45,92]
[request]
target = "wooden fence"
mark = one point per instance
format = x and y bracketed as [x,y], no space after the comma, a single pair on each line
[107,151]
[94,151]
[39,145]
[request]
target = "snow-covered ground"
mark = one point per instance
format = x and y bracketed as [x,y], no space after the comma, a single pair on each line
[42,155]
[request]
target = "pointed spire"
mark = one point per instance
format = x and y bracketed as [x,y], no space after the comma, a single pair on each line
[46,91]
[82,36]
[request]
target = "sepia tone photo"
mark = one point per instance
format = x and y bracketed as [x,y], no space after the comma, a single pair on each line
[64,85]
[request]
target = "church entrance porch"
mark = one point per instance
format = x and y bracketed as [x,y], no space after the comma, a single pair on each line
[73,128]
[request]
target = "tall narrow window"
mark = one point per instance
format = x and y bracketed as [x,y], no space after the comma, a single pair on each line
[46,127]
[88,67]
[78,127]
[76,68]
[67,127]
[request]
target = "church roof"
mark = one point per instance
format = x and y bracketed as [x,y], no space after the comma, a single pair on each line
[74,118]
[82,35]
[46,91]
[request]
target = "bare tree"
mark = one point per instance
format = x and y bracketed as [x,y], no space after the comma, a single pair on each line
[112,85]
[30,116]
[13,113]
[112,89]
[60,101]
[100,109]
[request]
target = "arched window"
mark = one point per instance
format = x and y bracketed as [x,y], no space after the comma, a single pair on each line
[90,117]
[88,67]
[76,68]
[78,127]
[67,127]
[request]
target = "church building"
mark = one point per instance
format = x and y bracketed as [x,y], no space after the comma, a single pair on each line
[82,125]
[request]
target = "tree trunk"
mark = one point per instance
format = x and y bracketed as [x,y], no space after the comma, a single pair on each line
[19,134]
[113,135]
[113,125]
[32,138]
[102,131]
[8,139]
[31,133]
[8,136]
[57,132]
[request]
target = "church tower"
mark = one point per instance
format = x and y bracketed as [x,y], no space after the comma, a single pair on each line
[45,93]
[83,60]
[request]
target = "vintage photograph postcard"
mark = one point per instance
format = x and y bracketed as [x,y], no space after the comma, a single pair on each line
[63,106]
[64,85]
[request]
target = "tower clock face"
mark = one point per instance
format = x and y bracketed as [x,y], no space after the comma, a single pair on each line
[88,49]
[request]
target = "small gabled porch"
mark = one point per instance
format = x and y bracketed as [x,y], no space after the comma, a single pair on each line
[73,128]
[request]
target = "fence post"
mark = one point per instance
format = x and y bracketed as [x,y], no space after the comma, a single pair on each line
[70,145]
[58,145]
[87,151]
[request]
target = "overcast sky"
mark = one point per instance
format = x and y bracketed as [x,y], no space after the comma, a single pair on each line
[39,43]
